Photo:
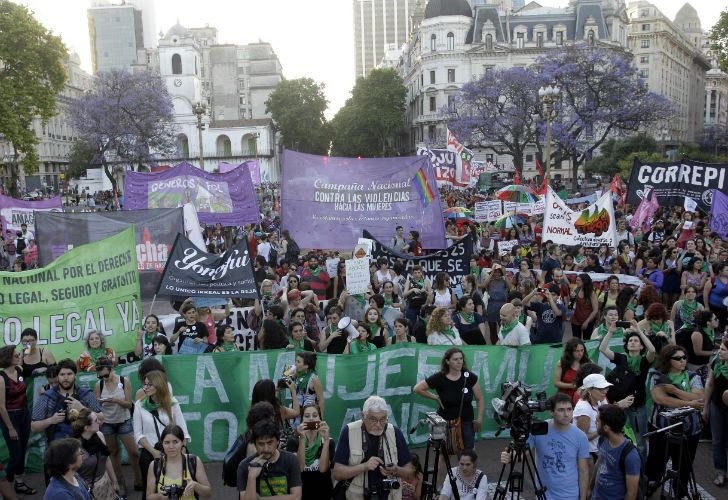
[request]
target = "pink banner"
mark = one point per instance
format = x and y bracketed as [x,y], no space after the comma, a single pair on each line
[253,166]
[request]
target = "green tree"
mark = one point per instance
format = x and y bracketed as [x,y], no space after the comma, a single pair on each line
[373,117]
[297,107]
[32,73]
[719,37]
[81,158]
[615,150]
[626,164]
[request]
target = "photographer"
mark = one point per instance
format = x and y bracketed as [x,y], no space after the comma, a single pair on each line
[455,387]
[562,454]
[369,451]
[315,454]
[550,314]
[416,291]
[471,481]
[270,472]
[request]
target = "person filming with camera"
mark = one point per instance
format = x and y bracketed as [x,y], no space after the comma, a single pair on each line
[270,472]
[371,456]
[562,454]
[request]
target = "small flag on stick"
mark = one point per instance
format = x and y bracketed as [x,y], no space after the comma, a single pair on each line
[423,187]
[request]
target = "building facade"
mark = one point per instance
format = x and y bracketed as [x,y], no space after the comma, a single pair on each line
[116,33]
[669,58]
[55,138]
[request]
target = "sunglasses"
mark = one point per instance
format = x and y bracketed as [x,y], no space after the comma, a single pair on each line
[103,376]
[679,358]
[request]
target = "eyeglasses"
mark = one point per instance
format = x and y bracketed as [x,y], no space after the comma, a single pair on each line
[146,385]
[375,420]
[679,358]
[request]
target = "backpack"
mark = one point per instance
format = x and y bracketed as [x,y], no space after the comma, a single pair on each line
[642,486]
[273,256]
[20,246]
[233,457]
[624,383]
[191,467]
[292,252]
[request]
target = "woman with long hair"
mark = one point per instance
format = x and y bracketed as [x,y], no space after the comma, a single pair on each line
[440,329]
[609,296]
[572,358]
[402,331]
[14,417]
[626,303]
[442,295]
[455,388]
[650,274]
[673,386]
[95,349]
[315,454]
[379,335]
[309,389]
[391,298]
[360,343]
[96,469]
[338,281]
[585,306]
[638,356]
[647,296]
[176,469]
[694,276]
[669,265]
[470,287]
[716,411]
[266,390]
[152,414]
[225,339]
[702,341]
[297,337]
[469,323]
[683,311]
[161,346]
[658,327]
[470,481]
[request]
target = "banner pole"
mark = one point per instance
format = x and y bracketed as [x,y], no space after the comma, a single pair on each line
[152,306]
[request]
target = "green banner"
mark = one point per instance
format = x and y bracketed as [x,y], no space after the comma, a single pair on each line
[92,287]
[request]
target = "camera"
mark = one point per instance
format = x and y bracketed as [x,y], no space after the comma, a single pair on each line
[289,374]
[390,483]
[515,410]
[437,425]
[173,491]
[312,426]
[284,382]
[622,324]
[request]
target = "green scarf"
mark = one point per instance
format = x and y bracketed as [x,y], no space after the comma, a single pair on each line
[710,333]
[655,328]
[681,380]
[358,346]
[312,450]
[522,318]
[506,328]
[720,369]
[602,331]
[297,344]
[467,317]
[388,301]
[97,353]
[374,328]
[315,272]
[419,283]
[229,346]
[148,405]
[687,310]
[302,381]
[449,332]
[634,363]
[475,272]
[149,337]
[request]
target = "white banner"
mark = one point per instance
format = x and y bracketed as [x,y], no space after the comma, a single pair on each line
[488,211]
[590,227]
[505,247]
[357,276]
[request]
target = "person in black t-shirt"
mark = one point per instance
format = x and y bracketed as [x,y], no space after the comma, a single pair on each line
[420,328]
[188,327]
[455,387]
[550,312]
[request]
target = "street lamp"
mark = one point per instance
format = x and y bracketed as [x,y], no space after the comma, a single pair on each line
[548,95]
[199,109]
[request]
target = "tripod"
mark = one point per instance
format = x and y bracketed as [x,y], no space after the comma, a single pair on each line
[676,438]
[429,488]
[514,482]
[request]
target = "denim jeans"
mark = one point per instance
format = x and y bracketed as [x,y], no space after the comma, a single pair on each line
[719,428]
[637,418]
[17,448]
[468,435]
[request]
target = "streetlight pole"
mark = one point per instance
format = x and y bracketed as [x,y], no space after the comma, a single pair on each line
[548,95]
[199,109]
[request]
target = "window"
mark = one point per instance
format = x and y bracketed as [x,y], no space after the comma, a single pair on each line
[450,76]
[176,64]
[645,27]
[539,39]
[644,73]
[645,13]
[431,133]
[559,38]
[451,103]
[432,77]
[645,44]
[644,59]
[223,146]
[529,158]
[520,40]
[433,42]
[488,42]
[183,146]
[433,104]
[450,41]
[590,37]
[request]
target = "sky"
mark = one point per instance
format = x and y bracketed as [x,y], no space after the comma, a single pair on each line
[312,38]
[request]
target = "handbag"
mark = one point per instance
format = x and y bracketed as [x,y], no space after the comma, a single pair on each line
[233,457]
[339,492]
[454,438]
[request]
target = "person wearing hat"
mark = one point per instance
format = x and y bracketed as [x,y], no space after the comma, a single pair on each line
[593,394]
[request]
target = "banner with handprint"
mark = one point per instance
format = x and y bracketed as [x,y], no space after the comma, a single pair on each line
[719,214]
[673,182]
[591,227]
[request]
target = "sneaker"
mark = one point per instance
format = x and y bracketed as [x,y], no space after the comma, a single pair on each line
[719,480]
[24,489]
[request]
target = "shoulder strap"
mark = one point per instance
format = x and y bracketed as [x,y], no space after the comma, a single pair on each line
[192,466]
[157,469]
[628,447]
[101,387]
[477,481]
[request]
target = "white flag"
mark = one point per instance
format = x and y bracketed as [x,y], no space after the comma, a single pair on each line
[690,205]
[591,227]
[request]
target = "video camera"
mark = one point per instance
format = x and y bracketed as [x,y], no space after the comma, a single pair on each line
[436,424]
[515,410]
[677,416]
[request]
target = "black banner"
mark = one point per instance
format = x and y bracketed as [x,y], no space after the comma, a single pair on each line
[156,229]
[673,182]
[454,260]
[191,272]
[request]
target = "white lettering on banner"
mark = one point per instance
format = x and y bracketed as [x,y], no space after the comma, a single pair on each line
[385,369]
[505,247]
[591,227]
[232,426]
[368,388]
[190,261]
[488,211]
[357,276]
[697,175]
[207,365]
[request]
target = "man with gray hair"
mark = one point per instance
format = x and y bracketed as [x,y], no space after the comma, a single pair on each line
[370,452]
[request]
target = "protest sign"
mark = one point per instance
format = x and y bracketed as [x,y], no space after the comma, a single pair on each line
[505,247]
[357,276]
[454,260]
[227,198]
[191,272]
[327,202]
[590,227]
[719,214]
[15,212]
[155,232]
[332,266]
[444,164]
[488,211]
[92,287]
[675,181]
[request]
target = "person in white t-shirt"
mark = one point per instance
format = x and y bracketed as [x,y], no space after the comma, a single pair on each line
[512,332]
[471,482]
[264,248]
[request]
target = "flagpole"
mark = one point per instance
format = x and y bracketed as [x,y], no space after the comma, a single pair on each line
[152,306]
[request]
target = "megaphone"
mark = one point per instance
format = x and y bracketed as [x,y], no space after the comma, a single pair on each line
[345,325]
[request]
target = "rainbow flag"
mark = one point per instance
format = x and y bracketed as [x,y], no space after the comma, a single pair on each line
[420,182]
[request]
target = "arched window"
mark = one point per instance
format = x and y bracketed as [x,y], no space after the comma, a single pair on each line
[450,41]
[176,64]
[433,42]
[183,146]
[488,42]
[223,146]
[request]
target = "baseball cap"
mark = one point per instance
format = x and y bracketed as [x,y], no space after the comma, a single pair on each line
[595,381]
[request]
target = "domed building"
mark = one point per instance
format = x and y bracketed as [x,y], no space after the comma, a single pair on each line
[688,21]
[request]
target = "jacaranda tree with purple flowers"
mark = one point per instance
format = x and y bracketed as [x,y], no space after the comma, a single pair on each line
[126,117]
[602,96]
[499,112]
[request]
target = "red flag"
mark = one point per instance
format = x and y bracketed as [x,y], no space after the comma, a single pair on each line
[539,168]
[544,187]
[616,185]
[517,178]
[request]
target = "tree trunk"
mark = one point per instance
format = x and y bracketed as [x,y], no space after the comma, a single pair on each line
[109,175]
[518,164]
[14,171]
[574,174]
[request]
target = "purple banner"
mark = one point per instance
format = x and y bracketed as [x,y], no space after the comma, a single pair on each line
[719,214]
[227,198]
[326,202]
[252,165]
[15,212]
